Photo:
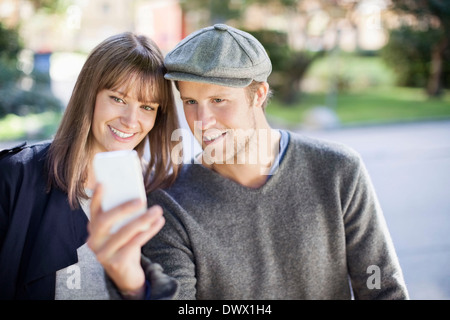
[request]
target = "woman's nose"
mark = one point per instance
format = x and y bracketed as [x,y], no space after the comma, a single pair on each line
[130,118]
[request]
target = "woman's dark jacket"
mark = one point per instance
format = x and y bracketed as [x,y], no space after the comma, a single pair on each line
[39,233]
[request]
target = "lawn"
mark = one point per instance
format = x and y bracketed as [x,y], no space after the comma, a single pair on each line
[372,105]
[32,127]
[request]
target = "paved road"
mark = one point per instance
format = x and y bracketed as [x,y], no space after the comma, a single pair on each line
[410,168]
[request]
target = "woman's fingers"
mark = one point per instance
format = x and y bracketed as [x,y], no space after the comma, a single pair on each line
[156,225]
[101,222]
[132,235]
[120,252]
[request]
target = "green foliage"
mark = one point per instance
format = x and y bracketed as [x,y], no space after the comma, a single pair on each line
[432,27]
[350,73]
[22,102]
[10,45]
[219,11]
[17,98]
[275,43]
[285,3]
[408,54]
[52,6]
[288,66]
[34,126]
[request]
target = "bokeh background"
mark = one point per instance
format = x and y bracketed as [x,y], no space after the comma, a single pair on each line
[373,74]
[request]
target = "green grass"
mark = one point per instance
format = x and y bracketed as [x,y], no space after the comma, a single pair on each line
[33,126]
[372,105]
[366,93]
[352,71]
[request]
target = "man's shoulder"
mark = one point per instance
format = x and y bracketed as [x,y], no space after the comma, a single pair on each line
[191,183]
[186,176]
[321,149]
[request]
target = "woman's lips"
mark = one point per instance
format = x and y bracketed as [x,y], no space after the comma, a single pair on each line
[122,135]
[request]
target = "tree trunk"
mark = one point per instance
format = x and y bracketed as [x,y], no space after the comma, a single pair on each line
[434,87]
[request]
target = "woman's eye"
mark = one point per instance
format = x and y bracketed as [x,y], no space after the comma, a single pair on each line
[217,100]
[148,108]
[190,101]
[118,100]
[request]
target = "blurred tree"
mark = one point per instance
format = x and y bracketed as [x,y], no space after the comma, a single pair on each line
[51,6]
[289,66]
[10,45]
[408,54]
[219,11]
[432,18]
[21,94]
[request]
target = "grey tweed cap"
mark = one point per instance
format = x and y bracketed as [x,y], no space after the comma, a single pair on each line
[220,55]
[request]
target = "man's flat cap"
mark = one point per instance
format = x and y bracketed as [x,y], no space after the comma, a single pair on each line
[220,55]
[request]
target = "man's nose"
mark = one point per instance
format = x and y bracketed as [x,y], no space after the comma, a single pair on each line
[206,117]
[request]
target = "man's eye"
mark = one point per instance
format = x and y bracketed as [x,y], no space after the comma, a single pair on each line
[217,100]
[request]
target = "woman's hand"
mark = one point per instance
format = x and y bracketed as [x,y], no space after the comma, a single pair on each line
[120,252]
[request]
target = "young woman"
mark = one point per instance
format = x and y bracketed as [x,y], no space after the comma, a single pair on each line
[120,101]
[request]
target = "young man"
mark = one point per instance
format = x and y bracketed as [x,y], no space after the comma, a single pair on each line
[264,213]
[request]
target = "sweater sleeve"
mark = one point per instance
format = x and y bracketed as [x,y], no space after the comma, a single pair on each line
[171,247]
[372,262]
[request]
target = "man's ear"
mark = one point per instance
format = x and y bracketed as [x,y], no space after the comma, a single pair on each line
[261,94]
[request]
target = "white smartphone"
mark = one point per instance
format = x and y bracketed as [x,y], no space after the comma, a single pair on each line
[120,173]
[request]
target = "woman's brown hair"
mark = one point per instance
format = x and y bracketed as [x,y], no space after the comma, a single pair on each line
[122,61]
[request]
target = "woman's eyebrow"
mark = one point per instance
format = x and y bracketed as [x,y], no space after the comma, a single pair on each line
[118,92]
[126,96]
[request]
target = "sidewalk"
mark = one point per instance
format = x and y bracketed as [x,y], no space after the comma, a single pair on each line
[410,168]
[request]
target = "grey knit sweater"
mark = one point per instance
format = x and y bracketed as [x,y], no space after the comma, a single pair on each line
[314,231]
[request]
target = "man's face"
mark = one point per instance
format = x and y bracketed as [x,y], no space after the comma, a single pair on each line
[221,118]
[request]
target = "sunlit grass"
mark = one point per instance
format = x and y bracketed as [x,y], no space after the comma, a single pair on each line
[372,105]
[33,126]
[365,93]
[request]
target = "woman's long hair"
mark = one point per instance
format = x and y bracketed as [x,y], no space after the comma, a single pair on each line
[122,61]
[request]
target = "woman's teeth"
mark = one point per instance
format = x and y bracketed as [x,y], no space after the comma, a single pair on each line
[121,134]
